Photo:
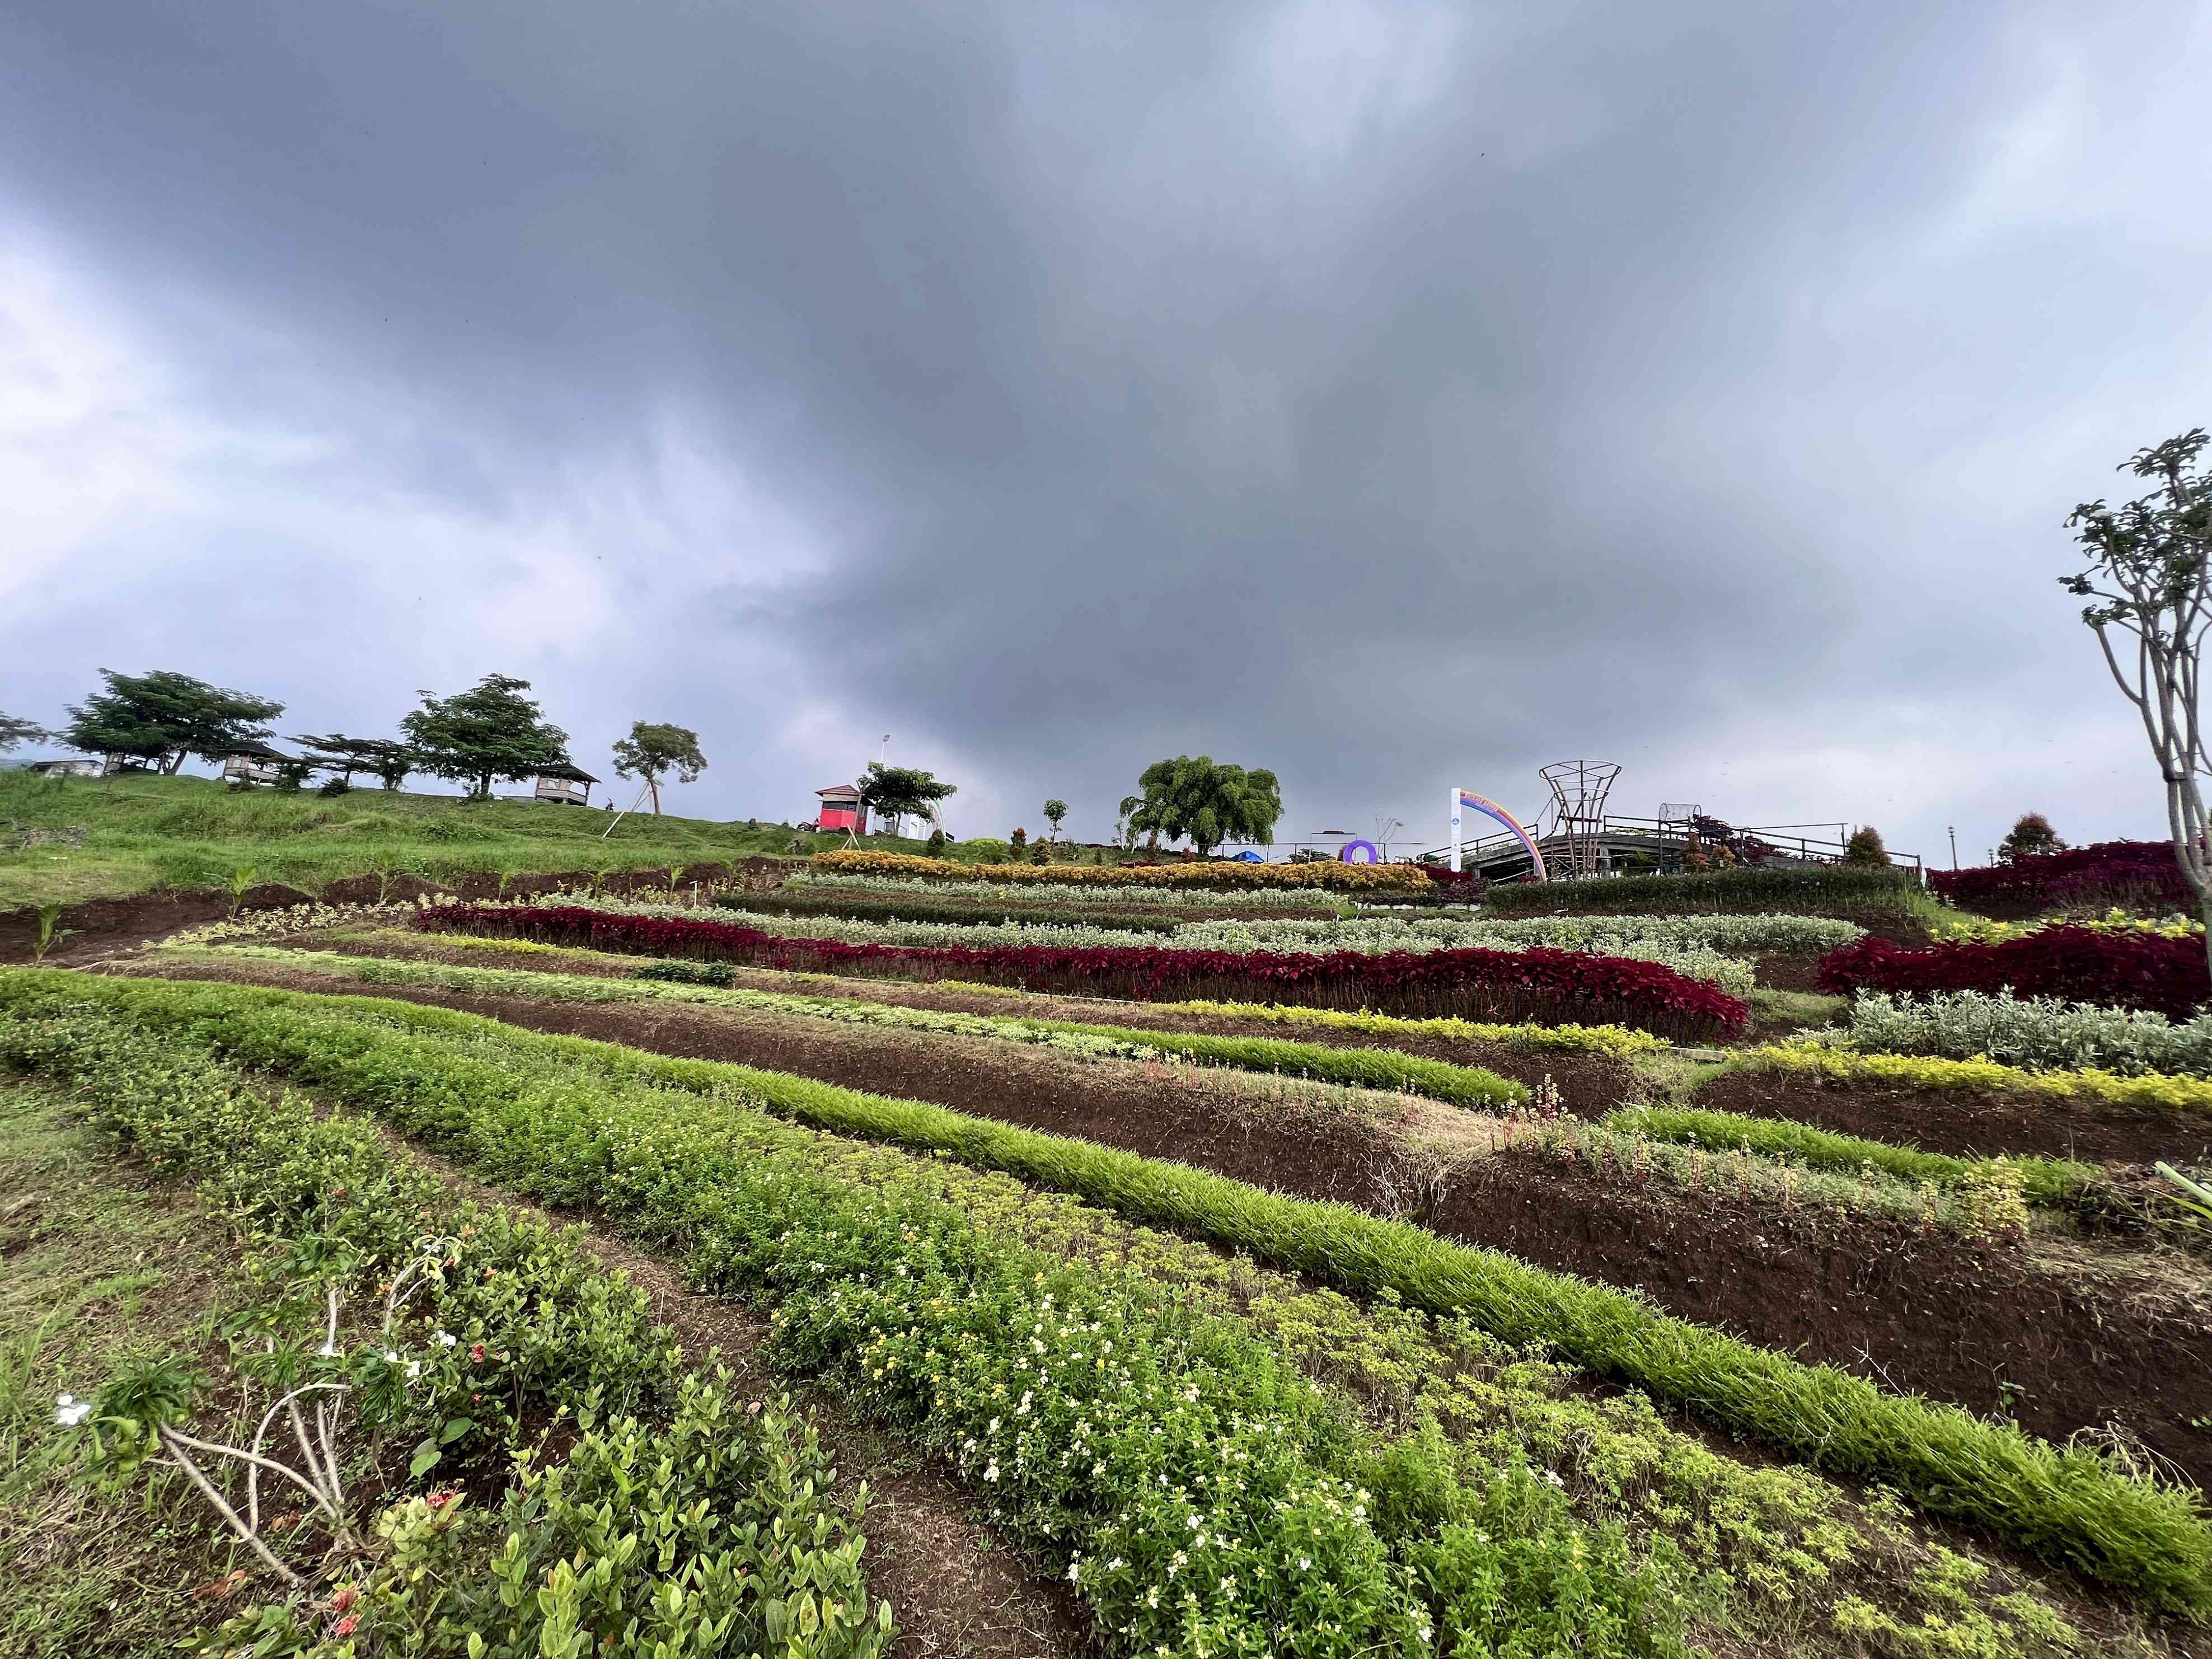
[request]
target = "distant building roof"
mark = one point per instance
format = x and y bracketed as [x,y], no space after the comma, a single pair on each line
[573,773]
[254,751]
[839,792]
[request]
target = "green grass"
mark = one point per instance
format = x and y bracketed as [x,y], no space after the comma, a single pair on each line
[2068,1506]
[193,833]
[2048,1181]
[93,1263]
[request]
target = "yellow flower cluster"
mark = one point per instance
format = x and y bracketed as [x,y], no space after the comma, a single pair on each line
[1226,873]
[2154,1089]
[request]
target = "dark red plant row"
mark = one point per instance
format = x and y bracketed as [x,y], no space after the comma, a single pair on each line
[2140,874]
[2118,970]
[1545,985]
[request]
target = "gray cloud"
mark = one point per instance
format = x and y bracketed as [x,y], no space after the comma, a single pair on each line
[1393,395]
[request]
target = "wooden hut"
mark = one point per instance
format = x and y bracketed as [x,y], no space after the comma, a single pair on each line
[841,809]
[565,786]
[252,762]
[77,766]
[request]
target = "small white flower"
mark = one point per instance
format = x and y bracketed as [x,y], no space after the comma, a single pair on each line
[414,1370]
[69,1411]
[1075,1570]
[329,1348]
[390,1357]
[992,1473]
[446,1339]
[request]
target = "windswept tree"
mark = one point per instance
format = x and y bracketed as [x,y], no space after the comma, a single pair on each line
[14,733]
[380,757]
[162,717]
[652,751]
[488,731]
[1055,812]
[893,792]
[1209,803]
[2150,585]
[2032,837]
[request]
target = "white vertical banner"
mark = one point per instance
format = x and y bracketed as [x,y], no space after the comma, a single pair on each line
[1453,808]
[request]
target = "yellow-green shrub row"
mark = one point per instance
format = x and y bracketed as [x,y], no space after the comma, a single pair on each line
[1341,877]
[2067,1505]
[2188,1094]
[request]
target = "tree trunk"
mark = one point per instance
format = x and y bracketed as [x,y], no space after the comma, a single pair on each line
[653,784]
[484,786]
[170,763]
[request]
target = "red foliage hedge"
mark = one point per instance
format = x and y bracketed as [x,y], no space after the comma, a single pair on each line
[2119,970]
[2140,874]
[1523,985]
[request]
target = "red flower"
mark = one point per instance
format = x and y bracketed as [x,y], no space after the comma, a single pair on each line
[344,1601]
[439,1499]
[476,1353]
[1538,983]
[346,1627]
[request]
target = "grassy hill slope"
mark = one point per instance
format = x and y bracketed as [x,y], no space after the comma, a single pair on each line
[145,832]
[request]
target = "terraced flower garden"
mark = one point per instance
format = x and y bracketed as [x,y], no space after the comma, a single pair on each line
[1209,1269]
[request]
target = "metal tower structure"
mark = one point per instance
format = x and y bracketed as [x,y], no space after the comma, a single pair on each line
[1578,792]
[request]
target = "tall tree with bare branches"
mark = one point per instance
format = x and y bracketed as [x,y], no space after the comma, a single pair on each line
[2150,585]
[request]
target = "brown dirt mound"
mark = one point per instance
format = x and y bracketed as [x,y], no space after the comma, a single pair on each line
[1962,1122]
[2065,1346]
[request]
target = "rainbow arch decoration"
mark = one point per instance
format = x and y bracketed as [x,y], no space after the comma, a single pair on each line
[1464,798]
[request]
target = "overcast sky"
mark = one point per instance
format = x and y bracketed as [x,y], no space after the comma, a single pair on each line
[1397,397]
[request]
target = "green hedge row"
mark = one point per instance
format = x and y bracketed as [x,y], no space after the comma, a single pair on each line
[1206,1498]
[1810,889]
[517,1328]
[2069,1506]
[2053,1182]
[877,906]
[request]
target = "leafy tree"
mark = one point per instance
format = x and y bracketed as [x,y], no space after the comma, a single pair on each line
[1055,812]
[651,751]
[14,732]
[163,716]
[1865,848]
[1125,826]
[894,792]
[2149,584]
[380,757]
[2032,837]
[1209,803]
[490,731]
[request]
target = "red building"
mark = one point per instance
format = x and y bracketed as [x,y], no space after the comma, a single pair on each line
[841,810]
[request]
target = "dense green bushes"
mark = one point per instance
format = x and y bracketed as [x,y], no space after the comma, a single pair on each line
[1811,890]
[2038,1033]
[676,1517]
[1202,1493]
[2069,1506]
[2043,1181]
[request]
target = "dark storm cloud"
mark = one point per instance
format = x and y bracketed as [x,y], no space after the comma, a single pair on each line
[1390,395]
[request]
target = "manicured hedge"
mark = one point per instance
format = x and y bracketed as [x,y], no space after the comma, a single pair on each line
[1225,873]
[2049,1182]
[2141,875]
[2069,1506]
[1538,984]
[2078,965]
[890,907]
[1810,889]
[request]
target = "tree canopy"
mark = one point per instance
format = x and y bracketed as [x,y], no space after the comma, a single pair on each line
[163,716]
[1209,803]
[384,757]
[2032,837]
[1055,812]
[651,751]
[14,732]
[898,791]
[1865,848]
[490,732]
